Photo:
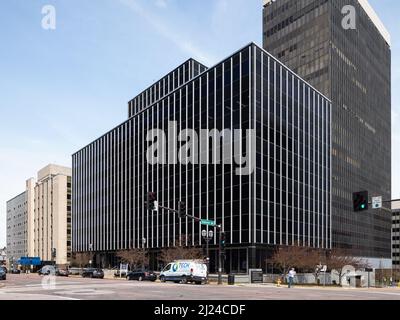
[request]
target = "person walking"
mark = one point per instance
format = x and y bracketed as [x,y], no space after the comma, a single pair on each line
[291,276]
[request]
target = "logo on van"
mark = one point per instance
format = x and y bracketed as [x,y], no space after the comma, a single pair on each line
[175,267]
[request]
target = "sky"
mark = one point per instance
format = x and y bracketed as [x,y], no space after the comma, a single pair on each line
[61,89]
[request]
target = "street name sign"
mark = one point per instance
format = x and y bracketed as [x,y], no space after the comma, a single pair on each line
[208,222]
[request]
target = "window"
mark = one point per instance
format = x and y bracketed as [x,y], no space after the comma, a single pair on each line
[168,267]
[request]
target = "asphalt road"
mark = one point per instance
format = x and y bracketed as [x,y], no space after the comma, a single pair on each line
[32,287]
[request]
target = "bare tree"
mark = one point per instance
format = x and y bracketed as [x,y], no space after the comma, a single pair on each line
[183,249]
[287,257]
[81,259]
[317,258]
[134,257]
[300,257]
[337,259]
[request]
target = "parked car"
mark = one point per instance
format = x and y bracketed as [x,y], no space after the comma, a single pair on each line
[74,271]
[47,270]
[62,272]
[93,273]
[4,269]
[142,275]
[3,275]
[185,271]
[15,271]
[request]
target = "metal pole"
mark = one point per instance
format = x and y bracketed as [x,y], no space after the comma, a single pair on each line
[219,260]
[207,250]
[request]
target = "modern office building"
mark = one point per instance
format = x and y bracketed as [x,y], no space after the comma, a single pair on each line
[396,235]
[39,220]
[17,219]
[352,67]
[267,188]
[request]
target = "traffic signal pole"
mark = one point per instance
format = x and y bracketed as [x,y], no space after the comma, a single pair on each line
[220,258]
[218,226]
[182,215]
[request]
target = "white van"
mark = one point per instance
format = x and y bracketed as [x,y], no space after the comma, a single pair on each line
[185,271]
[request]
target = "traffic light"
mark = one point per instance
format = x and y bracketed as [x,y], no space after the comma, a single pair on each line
[222,241]
[181,209]
[152,201]
[360,201]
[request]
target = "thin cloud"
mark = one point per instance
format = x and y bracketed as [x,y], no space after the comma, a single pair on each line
[169,33]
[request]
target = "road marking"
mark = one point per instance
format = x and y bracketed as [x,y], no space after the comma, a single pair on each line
[57,284]
[85,292]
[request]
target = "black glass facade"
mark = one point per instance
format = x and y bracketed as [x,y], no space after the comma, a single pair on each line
[352,68]
[179,76]
[285,199]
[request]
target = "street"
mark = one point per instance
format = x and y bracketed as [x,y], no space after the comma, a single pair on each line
[30,287]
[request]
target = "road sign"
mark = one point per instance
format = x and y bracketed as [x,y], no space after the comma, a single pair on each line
[204,233]
[210,233]
[208,222]
[376,202]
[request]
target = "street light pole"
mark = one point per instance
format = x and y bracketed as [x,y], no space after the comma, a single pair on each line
[144,249]
[207,222]
[90,249]
[207,236]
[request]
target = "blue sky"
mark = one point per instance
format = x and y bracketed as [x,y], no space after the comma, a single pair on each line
[61,89]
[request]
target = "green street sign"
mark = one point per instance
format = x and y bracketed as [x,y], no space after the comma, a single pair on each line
[208,222]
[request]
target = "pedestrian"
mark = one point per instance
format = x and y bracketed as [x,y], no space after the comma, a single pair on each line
[291,276]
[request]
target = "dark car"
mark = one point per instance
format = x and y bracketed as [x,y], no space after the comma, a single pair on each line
[4,269]
[3,275]
[15,271]
[47,270]
[93,273]
[142,275]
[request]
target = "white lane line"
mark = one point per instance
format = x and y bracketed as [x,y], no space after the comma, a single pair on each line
[57,284]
